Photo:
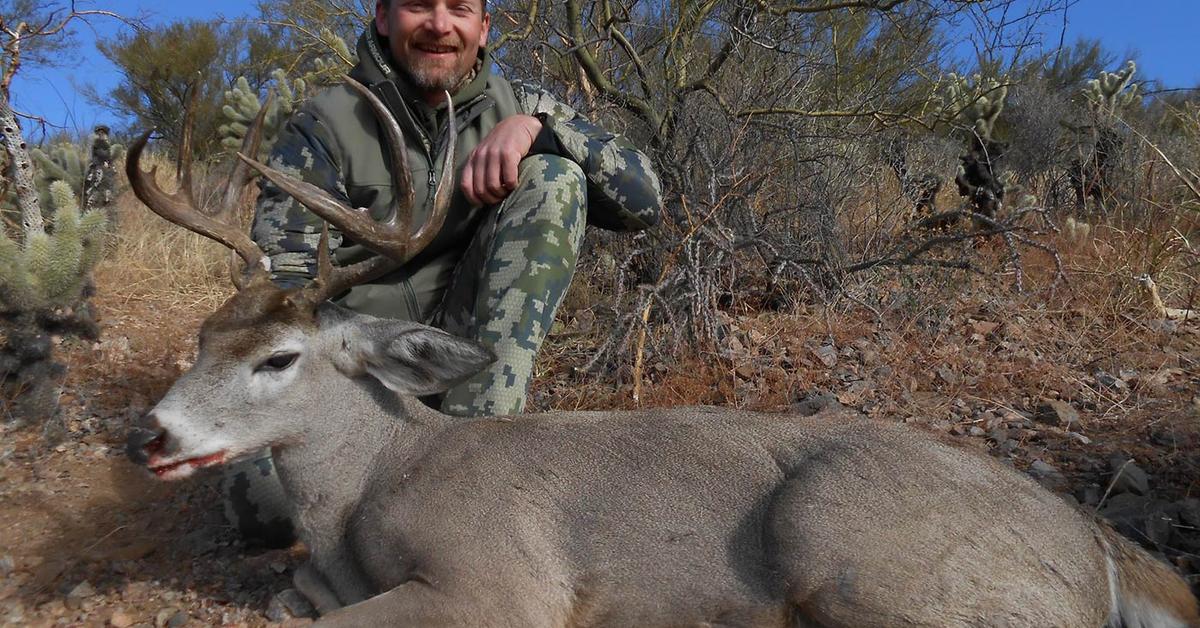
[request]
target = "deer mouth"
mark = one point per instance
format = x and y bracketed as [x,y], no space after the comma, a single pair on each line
[183,468]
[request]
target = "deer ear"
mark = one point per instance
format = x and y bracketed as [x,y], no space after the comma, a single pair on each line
[419,360]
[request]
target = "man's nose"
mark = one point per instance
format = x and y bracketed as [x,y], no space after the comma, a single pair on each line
[439,20]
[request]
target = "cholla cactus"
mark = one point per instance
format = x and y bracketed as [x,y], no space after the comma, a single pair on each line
[50,269]
[1113,91]
[975,104]
[44,271]
[242,106]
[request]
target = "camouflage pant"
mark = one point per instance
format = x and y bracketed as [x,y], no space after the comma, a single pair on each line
[504,294]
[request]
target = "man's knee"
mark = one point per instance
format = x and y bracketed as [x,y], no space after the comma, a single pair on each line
[553,182]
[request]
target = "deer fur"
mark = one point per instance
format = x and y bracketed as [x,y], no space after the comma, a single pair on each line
[662,517]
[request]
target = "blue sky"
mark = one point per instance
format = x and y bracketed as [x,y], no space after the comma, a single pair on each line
[1162,32]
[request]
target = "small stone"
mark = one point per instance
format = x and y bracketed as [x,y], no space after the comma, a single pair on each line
[120,619]
[7,565]
[278,567]
[815,401]
[1047,475]
[1128,477]
[77,594]
[976,431]
[178,619]
[1041,467]
[1057,412]
[81,590]
[164,616]
[827,355]
[1108,380]
[1079,438]
[288,604]
[948,375]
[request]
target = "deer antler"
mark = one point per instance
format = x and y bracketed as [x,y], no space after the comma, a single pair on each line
[391,237]
[180,208]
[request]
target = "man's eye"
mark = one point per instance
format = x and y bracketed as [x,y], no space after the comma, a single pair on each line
[277,362]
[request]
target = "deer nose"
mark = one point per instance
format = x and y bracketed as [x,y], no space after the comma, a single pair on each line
[145,439]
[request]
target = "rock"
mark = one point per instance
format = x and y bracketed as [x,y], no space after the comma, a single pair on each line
[976,431]
[178,619]
[81,590]
[1057,412]
[120,619]
[1079,438]
[7,565]
[1128,477]
[289,604]
[1047,475]
[278,567]
[1108,380]
[1189,511]
[1089,495]
[1139,517]
[164,616]
[78,594]
[948,375]
[827,355]
[815,401]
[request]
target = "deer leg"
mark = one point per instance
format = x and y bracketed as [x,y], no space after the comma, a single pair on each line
[312,585]
[413,603]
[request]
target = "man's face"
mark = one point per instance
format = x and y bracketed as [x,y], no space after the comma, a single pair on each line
[436,41]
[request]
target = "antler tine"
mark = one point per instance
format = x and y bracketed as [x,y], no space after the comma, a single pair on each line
[179,209]
[241,174]
[391,237]
[400,215]
[331,281]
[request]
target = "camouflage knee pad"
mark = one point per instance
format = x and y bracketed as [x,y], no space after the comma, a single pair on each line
[511,281]
[255,503]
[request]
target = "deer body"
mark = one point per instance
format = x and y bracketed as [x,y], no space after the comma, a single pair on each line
[687,516]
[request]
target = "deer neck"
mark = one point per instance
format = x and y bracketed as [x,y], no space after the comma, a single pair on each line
[325,474]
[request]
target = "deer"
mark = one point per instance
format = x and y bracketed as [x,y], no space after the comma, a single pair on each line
[696,516]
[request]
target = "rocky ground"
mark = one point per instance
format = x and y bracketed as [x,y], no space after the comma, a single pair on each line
[1102,409]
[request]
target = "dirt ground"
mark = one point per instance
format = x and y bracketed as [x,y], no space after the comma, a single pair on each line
[87,539]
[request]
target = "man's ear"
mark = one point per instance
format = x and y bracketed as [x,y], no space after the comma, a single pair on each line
[414,359]
[487,26]
[381,21]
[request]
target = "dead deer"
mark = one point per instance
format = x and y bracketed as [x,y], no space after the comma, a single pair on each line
[664,517]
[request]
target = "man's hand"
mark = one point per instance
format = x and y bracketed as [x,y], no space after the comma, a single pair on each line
[491,170]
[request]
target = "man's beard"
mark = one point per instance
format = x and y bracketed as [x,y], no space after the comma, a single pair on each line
[438,78]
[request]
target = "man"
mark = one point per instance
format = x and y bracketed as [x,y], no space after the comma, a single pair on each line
[530,173]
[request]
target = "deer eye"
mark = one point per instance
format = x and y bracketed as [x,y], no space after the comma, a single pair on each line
[277,362]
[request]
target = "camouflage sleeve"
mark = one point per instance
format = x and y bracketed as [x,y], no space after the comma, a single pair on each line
[623,190]
[285,230]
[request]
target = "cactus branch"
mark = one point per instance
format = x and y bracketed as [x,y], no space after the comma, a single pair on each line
[22,170]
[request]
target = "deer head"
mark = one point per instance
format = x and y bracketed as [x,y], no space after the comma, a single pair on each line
[263,351]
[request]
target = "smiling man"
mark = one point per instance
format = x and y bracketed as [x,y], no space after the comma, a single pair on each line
[530,174]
